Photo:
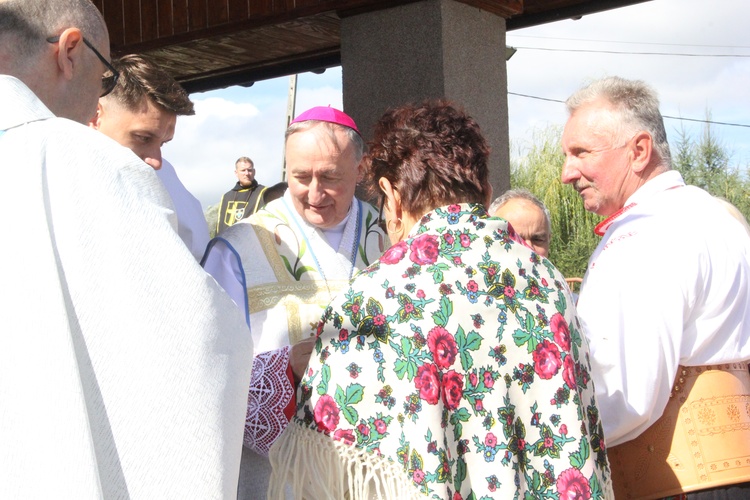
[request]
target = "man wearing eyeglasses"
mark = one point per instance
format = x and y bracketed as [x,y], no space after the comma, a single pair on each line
[141,113]
[123,368]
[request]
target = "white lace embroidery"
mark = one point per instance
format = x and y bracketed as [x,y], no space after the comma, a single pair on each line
[270,392]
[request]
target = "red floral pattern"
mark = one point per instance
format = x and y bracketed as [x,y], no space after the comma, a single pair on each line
[424,249]
[547,359]
[471,370]
[427,382]
[572,485]
[560,329]
[452,389]
[442,346]
[326,413]
[394,254]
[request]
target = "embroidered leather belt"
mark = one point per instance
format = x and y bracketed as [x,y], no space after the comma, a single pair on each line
[701,441]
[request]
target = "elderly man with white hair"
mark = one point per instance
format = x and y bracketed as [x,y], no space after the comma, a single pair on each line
[665,303]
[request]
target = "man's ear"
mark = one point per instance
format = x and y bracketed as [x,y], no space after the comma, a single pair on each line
[641,150]
[361,170]
[96,121]
[70,50]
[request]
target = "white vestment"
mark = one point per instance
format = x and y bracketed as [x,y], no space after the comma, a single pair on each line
[191,223]
[123,365]
[285,272]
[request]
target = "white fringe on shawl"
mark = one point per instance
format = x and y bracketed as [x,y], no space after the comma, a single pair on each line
[319,467]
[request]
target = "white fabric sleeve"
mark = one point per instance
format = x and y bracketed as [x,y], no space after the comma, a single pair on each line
[191,223]
[634,324]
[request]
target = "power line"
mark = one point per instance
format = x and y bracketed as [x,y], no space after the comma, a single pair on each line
[707,121]
[537,97]
[633,43]
[663,116]
[631,53]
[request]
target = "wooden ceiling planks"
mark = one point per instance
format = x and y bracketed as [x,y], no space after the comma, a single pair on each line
[208,44]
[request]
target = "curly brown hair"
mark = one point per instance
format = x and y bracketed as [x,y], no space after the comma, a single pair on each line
[433,154]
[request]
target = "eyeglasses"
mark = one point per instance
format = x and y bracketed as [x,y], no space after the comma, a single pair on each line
[109,78]
[381,221]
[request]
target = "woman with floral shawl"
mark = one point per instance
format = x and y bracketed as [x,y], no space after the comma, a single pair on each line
[454,367]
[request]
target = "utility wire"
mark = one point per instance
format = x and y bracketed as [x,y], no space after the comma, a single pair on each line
[633,43]
[707,121]
[537,97]
[630,53]
[663,116]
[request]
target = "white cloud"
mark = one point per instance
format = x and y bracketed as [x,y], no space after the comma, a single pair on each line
[687,86]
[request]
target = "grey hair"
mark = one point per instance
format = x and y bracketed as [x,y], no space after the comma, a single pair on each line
[25,25]
[330,129]
[637,108]
[513,194]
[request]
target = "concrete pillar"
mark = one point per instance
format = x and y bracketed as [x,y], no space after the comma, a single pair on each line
[429,49]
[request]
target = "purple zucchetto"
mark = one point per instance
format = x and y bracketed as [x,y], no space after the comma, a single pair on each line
[327,114]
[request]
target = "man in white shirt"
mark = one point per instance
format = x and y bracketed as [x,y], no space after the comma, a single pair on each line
[123,366]
[141,113]
[665,303]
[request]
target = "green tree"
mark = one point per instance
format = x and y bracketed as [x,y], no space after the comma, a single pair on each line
[707,163]
[536,167]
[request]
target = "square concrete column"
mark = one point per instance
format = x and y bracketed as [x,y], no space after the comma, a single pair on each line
[430,49]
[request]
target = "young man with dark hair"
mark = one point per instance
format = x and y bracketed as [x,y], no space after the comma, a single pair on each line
[140,113]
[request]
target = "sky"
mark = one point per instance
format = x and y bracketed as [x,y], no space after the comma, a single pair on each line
[642,42]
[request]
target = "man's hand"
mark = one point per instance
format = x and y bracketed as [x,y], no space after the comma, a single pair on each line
[299,355]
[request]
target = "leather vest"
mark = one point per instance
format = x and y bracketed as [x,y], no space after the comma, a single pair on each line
[701,441]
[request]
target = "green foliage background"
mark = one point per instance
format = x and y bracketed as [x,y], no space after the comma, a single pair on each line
[704,162]
[538,170]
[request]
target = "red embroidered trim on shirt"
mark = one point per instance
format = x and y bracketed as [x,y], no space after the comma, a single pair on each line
[602,227]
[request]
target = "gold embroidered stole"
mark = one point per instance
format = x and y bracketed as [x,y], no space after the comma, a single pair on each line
[301,288]
[303,300]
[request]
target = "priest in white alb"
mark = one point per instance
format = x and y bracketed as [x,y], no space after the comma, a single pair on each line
[123,365]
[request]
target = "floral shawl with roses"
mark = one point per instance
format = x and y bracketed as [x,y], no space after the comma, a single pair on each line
[452,368]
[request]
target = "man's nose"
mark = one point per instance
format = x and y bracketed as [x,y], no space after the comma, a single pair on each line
[569,174]
[315,190]
[153,158]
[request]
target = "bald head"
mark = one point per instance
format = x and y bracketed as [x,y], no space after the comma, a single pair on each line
[65,74]
[528,216]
